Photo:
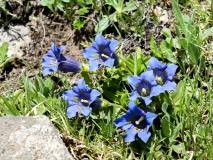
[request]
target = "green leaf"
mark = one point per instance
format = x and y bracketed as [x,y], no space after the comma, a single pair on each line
[81,3]
[60,5]
[154,48]
[183,43]
[165,121]
[207,33]
[178,16]
[82,11]
[175,133]
[130,7]
[179,93]
[47,2]
[202,64]
[178,148]
[104,24]
[170,56]
[194,52]
[3,52]
[78,24]
[167,33]
[67,1]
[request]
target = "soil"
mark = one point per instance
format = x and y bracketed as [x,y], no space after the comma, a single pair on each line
[47,27]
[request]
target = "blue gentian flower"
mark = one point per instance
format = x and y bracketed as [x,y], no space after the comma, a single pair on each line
[54,60]
[81,99]
[101,53]
[163,73]
[144,86]
[136,122]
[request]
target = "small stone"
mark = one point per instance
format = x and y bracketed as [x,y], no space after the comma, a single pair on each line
[33,138]
[16,36]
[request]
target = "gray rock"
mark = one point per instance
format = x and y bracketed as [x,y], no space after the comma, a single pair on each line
[31,138]
[16,36]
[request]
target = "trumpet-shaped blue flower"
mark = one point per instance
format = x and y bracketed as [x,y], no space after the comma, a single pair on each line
[81,99]
[163,73]
[101,53]
[54,60]
[144,86]
[136,122]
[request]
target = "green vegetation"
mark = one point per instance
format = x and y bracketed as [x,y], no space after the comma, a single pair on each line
[183,128]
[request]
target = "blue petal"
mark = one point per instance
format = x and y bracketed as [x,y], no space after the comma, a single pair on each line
[169,86]
[171,69]
[130,135]
[86,111]
[76,90]
[150,117]
[70,65]
[100,40]
[113,45]
[144,135]
[72,111]
[148,75]
[89,53]
[122,121]
[55,50]
[95,46]
[133,108]
[127,126]
[47,71]
[134,95]
[82,85]
[94,65]
[46,61]
[95,93]
[69,95]
[133,81]
[109,62]
[115,57]
[156,90]
[155,63]
[51,54]
[96,104]
[62,48]
[147,100]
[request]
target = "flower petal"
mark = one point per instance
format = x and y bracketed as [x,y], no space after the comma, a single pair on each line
[47,62]
[47,71]
[94,94]
[109,62]
[148,75]
[94,65]
[96,104]
[171,69]
[156,90]
[133,108]
[82,85]
[70,95]
[121,121]
[130,134]
[62,48]
[72,111]
[55,50]
[133,81]
[113,45]
[86,111]
[89,53]
[155,63]
[150,117]
[134,95]
[147,100]
[70,65]
[100,40]
[169,86]
[51,54]
[144,135]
